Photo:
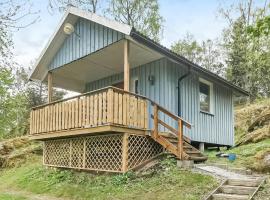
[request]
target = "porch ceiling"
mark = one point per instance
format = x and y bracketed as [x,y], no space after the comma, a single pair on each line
[101,64]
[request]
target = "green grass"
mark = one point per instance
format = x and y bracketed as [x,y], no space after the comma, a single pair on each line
[5,196]
[165,182]
[249,156]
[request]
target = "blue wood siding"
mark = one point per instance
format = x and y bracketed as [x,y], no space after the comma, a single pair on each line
[216,129]
[87,38]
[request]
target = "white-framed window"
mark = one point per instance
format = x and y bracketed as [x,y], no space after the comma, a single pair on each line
[206,96]
[135,85]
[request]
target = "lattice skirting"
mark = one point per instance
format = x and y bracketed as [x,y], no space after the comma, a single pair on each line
[101,152]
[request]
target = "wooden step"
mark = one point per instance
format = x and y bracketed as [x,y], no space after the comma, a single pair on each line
[240,190]
[221,196]
[244,182]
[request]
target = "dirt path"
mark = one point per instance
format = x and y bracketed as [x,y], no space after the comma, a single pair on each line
[29,195]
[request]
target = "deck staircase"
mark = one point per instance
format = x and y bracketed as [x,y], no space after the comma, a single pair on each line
[174,140]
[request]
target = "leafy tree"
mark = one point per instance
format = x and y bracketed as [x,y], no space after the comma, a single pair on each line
[206,53]
[142,14]
[61,5]
[246,55]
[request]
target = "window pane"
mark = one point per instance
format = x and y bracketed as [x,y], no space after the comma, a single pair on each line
[204,97]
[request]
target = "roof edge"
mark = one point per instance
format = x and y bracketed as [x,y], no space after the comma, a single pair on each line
[167,52]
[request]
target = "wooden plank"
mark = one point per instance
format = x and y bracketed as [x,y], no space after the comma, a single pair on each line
[120,108]
[155,121]
[50,88]
[104,108]
[84,102]
[70,115]
[135,115]
[95,109]
[115,111]
[66,115]
[99,108]
[34,122]
[142,113]
[62,116]
[45,119]
[125,153]
[124,109]
[145,115]
[79,113]
[87,111]
[128,109]
[126,65]
[110,106]
[53,117]
[91,110]
[56,116]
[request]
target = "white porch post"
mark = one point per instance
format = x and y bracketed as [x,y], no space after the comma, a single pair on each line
[126,65]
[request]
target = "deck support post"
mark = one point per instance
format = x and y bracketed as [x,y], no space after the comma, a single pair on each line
[201,147]
[50,89]
[125,153]
[126,65]
[180,139]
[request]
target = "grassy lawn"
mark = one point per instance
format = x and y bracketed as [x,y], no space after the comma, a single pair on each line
[5,196]
[248,156]
[164,182]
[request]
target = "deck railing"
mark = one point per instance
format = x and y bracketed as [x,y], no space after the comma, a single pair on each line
[101,107]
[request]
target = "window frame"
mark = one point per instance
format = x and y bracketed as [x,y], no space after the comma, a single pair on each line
[211,94]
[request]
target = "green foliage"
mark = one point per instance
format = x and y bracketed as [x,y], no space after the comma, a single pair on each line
[206,54]
[169,182]
[141,14]
[260,28]
[123,178]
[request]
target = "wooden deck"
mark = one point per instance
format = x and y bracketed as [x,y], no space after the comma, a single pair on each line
[98,111]
[108,130]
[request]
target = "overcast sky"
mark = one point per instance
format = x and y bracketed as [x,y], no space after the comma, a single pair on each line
[181,16]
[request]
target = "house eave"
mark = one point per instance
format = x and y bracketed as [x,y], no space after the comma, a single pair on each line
[177,58]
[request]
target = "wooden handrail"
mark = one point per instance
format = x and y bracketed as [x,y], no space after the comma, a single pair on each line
[178,133]
[187,124]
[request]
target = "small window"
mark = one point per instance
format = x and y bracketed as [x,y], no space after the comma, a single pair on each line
[206,96]
[135,85]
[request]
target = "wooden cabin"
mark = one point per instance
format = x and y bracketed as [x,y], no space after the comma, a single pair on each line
[137,99]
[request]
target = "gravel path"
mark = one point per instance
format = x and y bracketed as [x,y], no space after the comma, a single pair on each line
[222,172]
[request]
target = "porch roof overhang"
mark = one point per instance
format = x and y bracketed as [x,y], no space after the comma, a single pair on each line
[100,64]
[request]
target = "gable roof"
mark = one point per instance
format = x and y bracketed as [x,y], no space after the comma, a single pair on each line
[40,69]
